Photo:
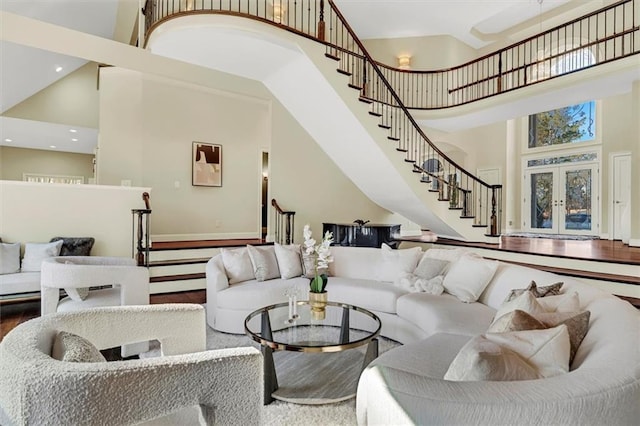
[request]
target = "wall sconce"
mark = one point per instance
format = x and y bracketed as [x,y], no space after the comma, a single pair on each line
[279,10]
[189,5]
[404,61]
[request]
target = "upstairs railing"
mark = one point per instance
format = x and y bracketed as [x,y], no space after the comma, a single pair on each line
[140,232]
[613,29]
[284,224]
[597,38]
[605,35]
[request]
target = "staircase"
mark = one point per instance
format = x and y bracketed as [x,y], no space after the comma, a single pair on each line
[357,111]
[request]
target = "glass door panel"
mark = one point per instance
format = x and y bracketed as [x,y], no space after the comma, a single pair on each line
[541,194]
[577,201]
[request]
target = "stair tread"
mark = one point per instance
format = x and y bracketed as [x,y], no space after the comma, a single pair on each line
[179,277]
[365,100]
[406,160]
[475,225]
[401,150]
[384,126]
[175,262]
[330,56]
[467,217]
[201,244]
[353,86]
[341,71]
[393,138]
[375,114]
[455,208]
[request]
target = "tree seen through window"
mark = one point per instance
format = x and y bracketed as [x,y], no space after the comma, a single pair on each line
[570,124]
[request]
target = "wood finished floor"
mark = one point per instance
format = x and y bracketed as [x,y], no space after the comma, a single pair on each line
[595,250]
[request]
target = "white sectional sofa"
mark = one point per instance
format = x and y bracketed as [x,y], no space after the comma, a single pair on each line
[406,385]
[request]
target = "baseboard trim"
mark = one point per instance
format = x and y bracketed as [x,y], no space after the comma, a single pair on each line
[200,237]
[634,242]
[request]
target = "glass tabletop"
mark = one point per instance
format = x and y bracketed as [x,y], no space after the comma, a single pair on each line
[296,328]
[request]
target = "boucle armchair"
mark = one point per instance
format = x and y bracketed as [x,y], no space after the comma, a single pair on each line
[125,284]
[36,389]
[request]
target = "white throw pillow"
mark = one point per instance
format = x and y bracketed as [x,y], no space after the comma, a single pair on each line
[429,267]
[568,302]
[9,258]
[35,253]
[526,302]
[237,265]
[468,277]
[396,262]
[264,262]
[516,355]
[289,259]
[450,255]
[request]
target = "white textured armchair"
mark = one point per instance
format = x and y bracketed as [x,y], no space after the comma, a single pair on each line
[36,389]
[127,284]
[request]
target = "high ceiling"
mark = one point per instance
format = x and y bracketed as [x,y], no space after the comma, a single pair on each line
[25,71]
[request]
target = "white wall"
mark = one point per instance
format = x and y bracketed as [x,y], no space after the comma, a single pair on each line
[35,212]
[148,124]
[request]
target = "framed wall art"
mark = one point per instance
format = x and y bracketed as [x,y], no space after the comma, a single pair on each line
[206,164]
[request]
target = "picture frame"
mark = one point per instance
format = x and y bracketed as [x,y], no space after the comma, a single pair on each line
[206,164]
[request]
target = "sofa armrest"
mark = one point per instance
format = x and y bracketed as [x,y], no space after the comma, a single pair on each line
[216,281]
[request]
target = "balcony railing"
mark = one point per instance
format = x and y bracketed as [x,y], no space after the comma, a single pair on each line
[602,36]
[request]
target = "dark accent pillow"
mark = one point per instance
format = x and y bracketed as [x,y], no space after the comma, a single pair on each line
[75,246]
[544,291]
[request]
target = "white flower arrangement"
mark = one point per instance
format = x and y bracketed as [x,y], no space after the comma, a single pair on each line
[321,254]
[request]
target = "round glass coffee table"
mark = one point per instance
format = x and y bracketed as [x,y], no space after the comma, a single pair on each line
[314,357]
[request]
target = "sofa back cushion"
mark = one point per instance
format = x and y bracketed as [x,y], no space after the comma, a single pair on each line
[237,265]
[35,253]
[355,262]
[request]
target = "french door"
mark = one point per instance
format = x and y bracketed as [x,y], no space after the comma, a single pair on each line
[562,199]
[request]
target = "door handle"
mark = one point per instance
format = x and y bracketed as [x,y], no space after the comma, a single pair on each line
[617,202]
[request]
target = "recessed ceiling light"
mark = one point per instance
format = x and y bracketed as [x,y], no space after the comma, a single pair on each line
[8,140]
[73,130]
[74,139]
[58,68]
[52,146]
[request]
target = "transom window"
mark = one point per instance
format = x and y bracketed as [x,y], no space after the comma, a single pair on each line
[568,125]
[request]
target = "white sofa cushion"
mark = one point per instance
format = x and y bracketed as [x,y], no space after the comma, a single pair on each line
[264,262]
[568,302]
[444,314]
[429,267]
[468,277]
[22,282]
[9,258]
[35,253]
[526,302]
[372,295]
[396,262]
[251,295]
[289,260]
[517,355]
[237,265]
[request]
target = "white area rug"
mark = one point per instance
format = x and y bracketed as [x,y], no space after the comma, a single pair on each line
[278,412]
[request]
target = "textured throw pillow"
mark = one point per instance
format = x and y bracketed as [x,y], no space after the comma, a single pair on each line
[549,290]
[75,246]
[237,265]
[449,255]
[9,258]
[468,277]
[264,262]
[577,325]
[517,355]
[414,284]
[395,262]
[568,302]
[35,253]
[70,347]
[289,260]
[516,321]
[429,267]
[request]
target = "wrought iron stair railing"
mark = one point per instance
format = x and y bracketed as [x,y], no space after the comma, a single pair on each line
[140,232]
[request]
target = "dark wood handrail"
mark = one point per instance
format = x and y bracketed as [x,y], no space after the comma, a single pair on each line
[284,224]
